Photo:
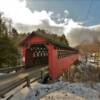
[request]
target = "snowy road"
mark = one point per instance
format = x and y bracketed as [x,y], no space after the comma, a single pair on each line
[9,83]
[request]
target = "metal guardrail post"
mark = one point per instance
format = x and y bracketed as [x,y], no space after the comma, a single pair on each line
[41,74]
[27,81]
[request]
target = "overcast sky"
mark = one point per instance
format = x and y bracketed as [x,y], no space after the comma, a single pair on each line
[85,11]
[79,20]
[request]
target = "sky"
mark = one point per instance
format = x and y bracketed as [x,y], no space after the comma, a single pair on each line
[86,11]
[79,20]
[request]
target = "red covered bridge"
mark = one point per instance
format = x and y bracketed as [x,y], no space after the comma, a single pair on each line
[41,48]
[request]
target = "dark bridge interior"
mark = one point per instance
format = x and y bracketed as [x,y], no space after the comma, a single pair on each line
[37,54]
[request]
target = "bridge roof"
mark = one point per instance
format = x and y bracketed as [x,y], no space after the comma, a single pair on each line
[52,38]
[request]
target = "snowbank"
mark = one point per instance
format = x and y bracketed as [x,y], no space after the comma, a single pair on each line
[83,91]
[41,90]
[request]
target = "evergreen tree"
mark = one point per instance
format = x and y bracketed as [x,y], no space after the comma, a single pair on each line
[8,50]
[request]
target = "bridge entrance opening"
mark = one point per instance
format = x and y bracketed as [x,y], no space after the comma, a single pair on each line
[37,55]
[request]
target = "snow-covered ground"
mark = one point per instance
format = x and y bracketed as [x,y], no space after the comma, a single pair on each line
[65,91]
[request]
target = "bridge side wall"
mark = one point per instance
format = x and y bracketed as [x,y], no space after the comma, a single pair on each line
[64,63]
[58,66]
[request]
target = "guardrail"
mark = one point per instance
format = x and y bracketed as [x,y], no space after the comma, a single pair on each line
[9,84]
[10,69]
